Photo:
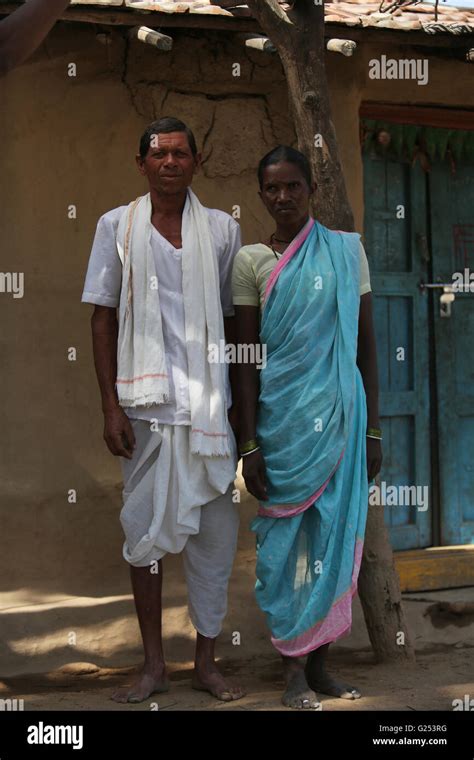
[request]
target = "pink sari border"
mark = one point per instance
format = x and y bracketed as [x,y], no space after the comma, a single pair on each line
[336,624]
[290,510]
[295,244]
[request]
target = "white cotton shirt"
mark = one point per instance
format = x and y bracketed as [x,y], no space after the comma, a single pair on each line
[103,284]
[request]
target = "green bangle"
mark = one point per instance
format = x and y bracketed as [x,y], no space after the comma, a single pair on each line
[248,446]
[375,432]
[247,453]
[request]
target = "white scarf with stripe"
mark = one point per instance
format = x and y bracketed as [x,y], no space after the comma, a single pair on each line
[142,378]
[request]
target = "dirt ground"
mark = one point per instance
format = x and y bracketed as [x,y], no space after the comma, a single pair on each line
[437,678]
[109,642]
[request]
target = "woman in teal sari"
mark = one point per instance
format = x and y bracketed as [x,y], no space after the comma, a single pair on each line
[309,426]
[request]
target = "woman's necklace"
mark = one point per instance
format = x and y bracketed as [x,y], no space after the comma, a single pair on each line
[278,240]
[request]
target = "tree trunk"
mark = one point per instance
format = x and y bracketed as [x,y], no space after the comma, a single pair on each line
[380,596]
[299,39]
[298,36]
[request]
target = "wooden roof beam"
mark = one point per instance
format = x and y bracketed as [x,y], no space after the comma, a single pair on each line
[152,37]
[346,47]
[257,42]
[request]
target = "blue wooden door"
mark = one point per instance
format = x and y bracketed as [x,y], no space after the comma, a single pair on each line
[452,243]
[395,238]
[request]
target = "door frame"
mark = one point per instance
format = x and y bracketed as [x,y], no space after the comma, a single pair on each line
[427,116]
[421,569]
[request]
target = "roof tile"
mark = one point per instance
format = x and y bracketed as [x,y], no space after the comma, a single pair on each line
[411,15]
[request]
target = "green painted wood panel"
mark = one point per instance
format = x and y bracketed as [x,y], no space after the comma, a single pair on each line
[397,265]
[452,223]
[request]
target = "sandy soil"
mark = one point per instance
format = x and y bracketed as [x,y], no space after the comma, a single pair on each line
[439,676]
[436,679]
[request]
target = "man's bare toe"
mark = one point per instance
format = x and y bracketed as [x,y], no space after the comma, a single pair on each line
[215,683]
[298,694]
[142,688]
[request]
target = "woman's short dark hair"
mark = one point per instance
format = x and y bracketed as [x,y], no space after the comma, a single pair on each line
[290,156]
[164,126]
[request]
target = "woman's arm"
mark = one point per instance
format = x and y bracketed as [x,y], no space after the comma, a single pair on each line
[25,29]
[247,333]
[367,363]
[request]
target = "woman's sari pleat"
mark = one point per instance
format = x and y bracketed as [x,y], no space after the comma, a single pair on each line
[312,430]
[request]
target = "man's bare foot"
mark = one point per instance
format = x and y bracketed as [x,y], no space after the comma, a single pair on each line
[148,682]
[208,678]
[298,694]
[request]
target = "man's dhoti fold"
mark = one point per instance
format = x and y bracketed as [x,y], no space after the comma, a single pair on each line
[165,487]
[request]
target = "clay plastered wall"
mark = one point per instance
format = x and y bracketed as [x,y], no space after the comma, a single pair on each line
[72,141]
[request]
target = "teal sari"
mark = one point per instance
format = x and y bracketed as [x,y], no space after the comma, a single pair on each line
[312,420]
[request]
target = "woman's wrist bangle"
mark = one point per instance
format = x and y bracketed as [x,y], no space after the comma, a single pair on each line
[373,431]
[246,453]
[248,446]
[375,437]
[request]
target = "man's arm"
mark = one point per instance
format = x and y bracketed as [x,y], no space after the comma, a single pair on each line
[253,465]
[118,432]
[367,363]
[230,339]
[25,29]
[226,260]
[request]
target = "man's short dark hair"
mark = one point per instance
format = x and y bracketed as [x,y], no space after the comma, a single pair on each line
[164,126]
[283,153]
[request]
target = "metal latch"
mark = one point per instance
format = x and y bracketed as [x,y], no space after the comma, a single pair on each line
[446,298]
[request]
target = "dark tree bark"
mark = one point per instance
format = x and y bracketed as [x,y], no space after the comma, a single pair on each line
[299,38]
[380,596]
[298,35]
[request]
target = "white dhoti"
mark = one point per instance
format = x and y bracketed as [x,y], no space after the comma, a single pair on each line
[176,501]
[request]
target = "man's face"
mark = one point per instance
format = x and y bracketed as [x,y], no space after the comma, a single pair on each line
[169,165]
[285,193]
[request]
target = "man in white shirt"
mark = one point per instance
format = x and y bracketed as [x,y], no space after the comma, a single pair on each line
[170,281]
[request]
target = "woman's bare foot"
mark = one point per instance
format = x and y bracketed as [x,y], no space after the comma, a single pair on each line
[208,678]
[318,677]
[326,684]
[149,681]
[298,693]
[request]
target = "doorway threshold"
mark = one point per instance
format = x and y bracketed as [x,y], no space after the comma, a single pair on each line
[436,567]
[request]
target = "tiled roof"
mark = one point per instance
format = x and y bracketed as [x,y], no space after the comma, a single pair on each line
[359,13]
[408,16]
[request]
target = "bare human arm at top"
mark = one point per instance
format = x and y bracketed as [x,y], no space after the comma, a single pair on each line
[118,432]
[367,363]
[25,29]
[253,465]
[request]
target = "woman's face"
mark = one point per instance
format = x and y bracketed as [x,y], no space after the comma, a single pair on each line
[285,193]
